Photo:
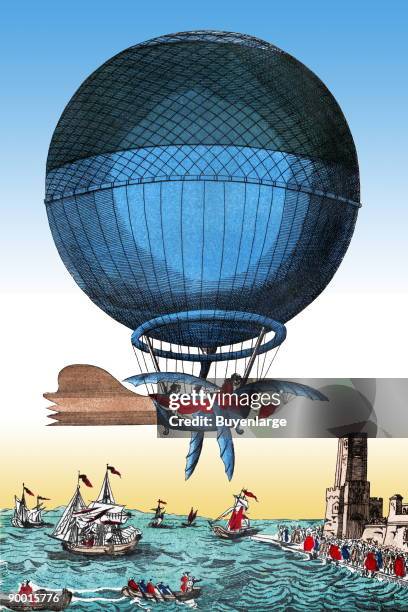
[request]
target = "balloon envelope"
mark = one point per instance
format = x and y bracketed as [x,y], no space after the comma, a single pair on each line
[202,171]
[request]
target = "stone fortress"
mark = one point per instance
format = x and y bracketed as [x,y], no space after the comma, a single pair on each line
[350,511]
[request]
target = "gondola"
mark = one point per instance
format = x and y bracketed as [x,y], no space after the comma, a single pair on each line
[46,600]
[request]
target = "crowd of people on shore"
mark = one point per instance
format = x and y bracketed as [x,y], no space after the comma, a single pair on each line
[368,557]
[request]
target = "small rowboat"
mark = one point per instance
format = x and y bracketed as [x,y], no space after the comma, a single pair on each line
[176,595]
[41,599]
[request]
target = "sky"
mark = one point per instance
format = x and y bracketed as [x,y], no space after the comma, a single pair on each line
[356,328]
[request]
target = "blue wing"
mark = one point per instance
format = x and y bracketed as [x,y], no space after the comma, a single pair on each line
[194,452]
[227,453]
[283,386]
[225,444]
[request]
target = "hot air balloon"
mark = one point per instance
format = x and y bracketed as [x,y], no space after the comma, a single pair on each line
[202,189]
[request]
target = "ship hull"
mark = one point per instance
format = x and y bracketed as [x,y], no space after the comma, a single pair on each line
[59,600]
[112,550]
[26,524]
[225,534]
[155,525]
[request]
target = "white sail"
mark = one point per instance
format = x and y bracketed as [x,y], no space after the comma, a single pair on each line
[35,516]
[66,527]
[99,513]
[105,495]
[240,501]
[225,513]
[20,513]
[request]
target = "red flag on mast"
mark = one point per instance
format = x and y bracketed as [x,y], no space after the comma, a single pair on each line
[27,490]
[249,494]
[85,480]
[43,498]
[114,471]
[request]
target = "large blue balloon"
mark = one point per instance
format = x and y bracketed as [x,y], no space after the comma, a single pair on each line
[202,172]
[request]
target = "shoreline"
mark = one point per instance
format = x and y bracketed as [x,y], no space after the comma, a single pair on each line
[298,549]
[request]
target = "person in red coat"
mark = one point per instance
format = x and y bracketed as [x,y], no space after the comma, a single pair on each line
[370,562]
[150,588]
[335,553]
[399,567]
[308,544]
[133,585]
[26,589]
[184,582]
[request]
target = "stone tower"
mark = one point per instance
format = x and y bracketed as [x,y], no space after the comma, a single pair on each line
[348,502]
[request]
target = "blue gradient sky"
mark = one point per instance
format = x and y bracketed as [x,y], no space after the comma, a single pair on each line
[359,49]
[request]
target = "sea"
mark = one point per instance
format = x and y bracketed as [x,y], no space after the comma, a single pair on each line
[235,576]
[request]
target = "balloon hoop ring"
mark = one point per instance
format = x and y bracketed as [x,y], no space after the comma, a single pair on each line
[194,316]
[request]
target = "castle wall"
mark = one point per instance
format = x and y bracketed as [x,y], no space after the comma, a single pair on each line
[374,533]
[397,535]
[334,517]
[350,511]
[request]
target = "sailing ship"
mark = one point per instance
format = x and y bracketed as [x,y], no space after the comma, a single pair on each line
[191,519]
[96,528]
[238,524]
[23,517]
[159,512]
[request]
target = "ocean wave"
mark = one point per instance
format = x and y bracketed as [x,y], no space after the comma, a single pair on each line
[245,576]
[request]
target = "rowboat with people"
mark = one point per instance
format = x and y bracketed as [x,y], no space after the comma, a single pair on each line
[161,592]
[36,599]
[174,596]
